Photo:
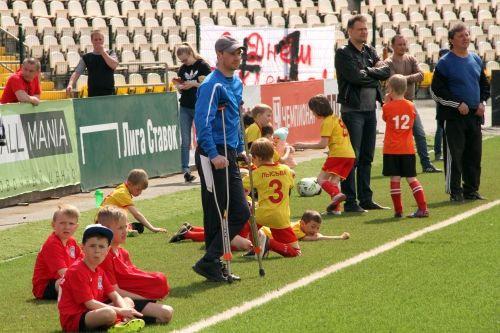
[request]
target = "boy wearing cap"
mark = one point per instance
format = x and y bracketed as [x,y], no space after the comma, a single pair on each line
[84,291]
[215,137]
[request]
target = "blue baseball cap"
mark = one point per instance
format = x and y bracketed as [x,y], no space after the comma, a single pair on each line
[98,229]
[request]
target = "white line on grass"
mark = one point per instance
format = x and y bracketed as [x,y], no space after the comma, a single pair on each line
[329,270]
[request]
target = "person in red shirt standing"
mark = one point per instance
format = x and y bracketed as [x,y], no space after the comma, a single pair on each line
[59,251]
[24,85]
[399,151]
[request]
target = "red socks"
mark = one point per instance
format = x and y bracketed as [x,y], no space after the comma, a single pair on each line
[418,194]
[195,235]
[396,197]
[332,189]
[284,249]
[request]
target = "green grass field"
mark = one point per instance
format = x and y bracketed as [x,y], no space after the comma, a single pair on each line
[443,281]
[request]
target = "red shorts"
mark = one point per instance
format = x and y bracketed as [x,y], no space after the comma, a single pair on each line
[286,235]
[340,166]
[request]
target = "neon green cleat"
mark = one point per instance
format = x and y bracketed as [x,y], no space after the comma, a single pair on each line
[134,325]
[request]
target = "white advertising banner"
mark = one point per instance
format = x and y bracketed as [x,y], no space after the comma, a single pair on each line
[275,54]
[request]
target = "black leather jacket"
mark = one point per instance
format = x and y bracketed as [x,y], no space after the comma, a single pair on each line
[357,69]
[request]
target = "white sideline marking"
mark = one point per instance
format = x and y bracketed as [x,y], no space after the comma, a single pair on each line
[329,270]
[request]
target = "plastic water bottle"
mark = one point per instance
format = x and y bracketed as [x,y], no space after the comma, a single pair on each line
[98,198]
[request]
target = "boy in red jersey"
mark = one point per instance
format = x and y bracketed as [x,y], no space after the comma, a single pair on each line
[137,181]
[143,287]
[59,251]
[273,182]
[399,151]
[338,165]
[84,289]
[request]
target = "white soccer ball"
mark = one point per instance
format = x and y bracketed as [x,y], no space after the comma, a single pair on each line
[308,187]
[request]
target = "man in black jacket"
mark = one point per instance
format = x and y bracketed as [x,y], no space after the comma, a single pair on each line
[359,71]
[461,96]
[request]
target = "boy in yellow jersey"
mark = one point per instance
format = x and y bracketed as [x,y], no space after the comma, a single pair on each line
[307,229]
[338,165]
[273,182]
[137,181]
[261,113]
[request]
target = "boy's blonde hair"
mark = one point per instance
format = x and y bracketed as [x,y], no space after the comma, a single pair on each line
[320,105]
[66,209]
[262,148]
[260,108]
[398,83]
[110,214]
[138,177]
[311,216]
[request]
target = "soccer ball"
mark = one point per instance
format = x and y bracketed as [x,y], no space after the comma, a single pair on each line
[308,187]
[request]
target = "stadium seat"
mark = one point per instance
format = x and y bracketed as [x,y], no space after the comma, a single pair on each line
[149,61]
[157,40]
[313,21]
[331,19]
[164,56]
[243,21]
[380,19]
[388,34]
[49,41]
[260,21]
[207,21]
[135,27]
[278,21]
[218,5]
[73,59]
[154,80]
[225,22]
[152,26]
[253,4]
[490,66]
[40,10]
[340,5]
[304,5]
[56,57]
[120,81]
[433,52]
[111,10]
[65,41]
[413,49]
[98,23]
[345,18]
[448,17]
[174,40]
[485,19]
[482,47]
[270,4]
[325,7]
[434,20]
[75,10]
[18,6]
[138,40]
[462,5]
[134,80]
[180,5]
[127,6]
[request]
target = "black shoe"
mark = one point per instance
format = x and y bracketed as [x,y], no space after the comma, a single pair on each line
[398,215]
[354,208]
[188,177]
[249,254]
[225,274]
[188,226]
[179,235]
[431,169]
[457,198]
[210,270]
[372,206]
[474,196]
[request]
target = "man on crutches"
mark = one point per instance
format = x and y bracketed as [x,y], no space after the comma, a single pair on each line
[220,142]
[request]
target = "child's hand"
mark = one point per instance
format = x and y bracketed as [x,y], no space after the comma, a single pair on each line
[159,230]
[387,98]
[345,235]
[128,313]
[299,145]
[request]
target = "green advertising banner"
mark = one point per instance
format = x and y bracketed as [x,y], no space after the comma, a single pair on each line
[119,133]
[41,152]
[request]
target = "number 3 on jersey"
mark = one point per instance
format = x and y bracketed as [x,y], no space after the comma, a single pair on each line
[277,191]
[402,122]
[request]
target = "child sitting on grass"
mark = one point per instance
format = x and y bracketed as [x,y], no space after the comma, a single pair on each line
[273,182]
[85,290]
[341,157]
[59,251]
[143,287]
[399,151]
[137,181]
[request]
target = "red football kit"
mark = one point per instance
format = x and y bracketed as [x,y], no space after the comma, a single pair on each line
[78,286]
[120,270]
[52,257]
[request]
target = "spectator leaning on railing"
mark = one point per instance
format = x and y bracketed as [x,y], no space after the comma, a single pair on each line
[24,85]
